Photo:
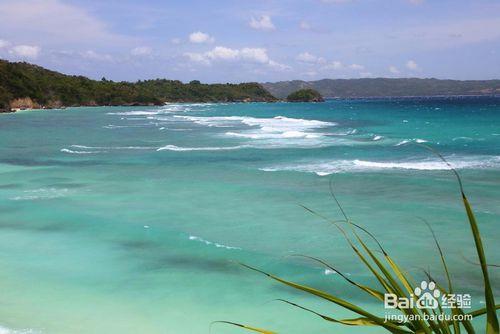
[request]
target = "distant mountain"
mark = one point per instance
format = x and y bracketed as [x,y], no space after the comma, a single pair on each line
[384,87]
[24,85]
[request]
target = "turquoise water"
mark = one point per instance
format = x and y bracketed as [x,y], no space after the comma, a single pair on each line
[130,219]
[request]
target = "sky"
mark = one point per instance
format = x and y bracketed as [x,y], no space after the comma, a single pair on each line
[257,40]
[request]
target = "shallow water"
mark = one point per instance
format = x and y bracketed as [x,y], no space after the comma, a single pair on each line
[127,220]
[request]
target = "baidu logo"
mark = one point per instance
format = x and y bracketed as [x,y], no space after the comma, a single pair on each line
[427,296]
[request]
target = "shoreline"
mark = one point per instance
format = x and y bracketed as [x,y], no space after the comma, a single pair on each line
[430,97]
[14,110]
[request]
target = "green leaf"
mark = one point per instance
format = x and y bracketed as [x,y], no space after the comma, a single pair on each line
[253,329]
[345,304]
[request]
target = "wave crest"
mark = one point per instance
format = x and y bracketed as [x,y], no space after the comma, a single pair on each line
[182,149]
[343,166]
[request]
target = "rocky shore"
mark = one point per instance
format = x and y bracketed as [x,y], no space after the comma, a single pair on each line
[26,103]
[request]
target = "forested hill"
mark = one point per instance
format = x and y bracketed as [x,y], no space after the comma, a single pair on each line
[23,85]
[385,87]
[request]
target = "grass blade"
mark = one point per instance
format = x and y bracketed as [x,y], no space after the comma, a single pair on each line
[333,299]
[491,316]
[456,325]
[349,322]
[482,311]
[466,323]
[253,329]
[377,294]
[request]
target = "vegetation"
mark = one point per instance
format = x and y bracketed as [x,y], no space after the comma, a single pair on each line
[394,280]
[305,95]
[52,89]
[383,87]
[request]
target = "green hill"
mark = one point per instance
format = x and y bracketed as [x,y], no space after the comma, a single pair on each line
[24,85]
[305,95]
[383,87]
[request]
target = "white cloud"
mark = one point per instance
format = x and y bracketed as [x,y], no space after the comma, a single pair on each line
[412,65]
[54,22]
[248,55]
[25,51]
[198,58]
[92,55]
[216,54]
[200,37]
[258,55]
[262,23]
[304,25]
[330,65]
[222,53]
[278,66]
[3,43]
[393,69]
[141,51]
[334,65]
[175,41]
[356,67]
[307,57]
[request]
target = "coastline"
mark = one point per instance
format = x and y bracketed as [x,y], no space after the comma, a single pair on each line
[133,104]
[137,104]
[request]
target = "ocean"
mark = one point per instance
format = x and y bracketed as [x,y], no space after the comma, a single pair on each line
[133,219]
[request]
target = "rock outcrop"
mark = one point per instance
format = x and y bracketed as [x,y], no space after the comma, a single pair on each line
[23,103]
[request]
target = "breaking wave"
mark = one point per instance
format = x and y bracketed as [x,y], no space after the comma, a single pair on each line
[274,131]
[66,150]
[414,140]
[342,166]
[181,149]
[114,147]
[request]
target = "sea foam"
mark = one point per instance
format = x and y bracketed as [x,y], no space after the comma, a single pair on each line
[137,112]
[41,194]
[5,330]
[414,140]
[323,168]
[66,150]
[114,147]
[211,243]
[181,149]
[276,131]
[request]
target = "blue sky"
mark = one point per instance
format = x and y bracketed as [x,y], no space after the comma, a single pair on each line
[234,41]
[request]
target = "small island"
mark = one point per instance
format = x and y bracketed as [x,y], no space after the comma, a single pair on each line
[305,95]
